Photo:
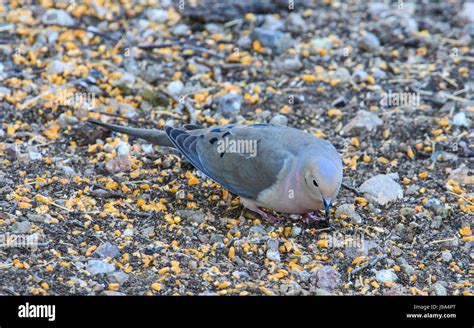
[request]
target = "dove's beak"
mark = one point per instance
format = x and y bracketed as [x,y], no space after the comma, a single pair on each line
[327,206]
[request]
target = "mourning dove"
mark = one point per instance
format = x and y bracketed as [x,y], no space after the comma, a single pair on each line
[269,166]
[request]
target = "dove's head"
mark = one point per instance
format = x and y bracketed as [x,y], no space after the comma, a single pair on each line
[323,178]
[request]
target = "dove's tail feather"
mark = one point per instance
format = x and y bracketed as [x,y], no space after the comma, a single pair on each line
[154,136]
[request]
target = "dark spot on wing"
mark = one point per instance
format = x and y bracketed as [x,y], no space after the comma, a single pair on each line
[260,125]
[222,154]
[216,130]
[225,134]
[213,140]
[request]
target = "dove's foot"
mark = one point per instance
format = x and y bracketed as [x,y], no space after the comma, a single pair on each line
[310,218]
[270,218]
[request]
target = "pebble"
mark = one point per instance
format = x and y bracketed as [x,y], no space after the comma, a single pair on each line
[288,64]
[388,275]
[57,17]
[123,148]
[36,218]
[273,255]
[446,256]
[369,42]
[192,215]
[229,104]
[295,23]
[327,278]
[438,289]
[273,23]
[279,120]
[460,119]
[349,211]
[275,40]
[147,148]
[107,249]
[363,121]
[34,155]
[180,30]
[467,12]
[175,88]
[67,170]
[157,15]
[118,277]
[118,164]
[382,189]
[21,227]
[321,43]
[95,267]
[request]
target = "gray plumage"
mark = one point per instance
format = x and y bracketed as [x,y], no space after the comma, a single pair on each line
[286,162]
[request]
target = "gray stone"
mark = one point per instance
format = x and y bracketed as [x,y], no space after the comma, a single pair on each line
[175,88]
[68,171]
[295,23]
[58,67]
[446,256]
[327,278]
[180,30]
[21,227]
[381,189]
[438,289]
[288,64]
[321,43]
[388,275]
[57,17]
[349,211]
[460,119]
[275,40]
[273,255]
[192,215]
[279,120]
[107,249]
[95,267]
[36,218]
[467,12]
[229,104]
[157,15]
[273,23]
[369,42]
[363,121]
[118,277]
[123,148]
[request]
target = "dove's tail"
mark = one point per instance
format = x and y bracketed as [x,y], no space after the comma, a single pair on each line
[154,136]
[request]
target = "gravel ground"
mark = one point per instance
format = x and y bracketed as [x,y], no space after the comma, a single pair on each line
[390,85]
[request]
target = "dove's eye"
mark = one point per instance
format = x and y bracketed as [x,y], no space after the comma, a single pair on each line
[315,183]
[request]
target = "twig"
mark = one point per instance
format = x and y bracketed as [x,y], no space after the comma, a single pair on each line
[370,264]
[151,46]
[187,105]
[353,189]
[441,240]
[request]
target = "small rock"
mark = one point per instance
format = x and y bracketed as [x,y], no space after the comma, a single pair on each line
[175,88]
[34,155]
[118,164]
[339,102]
[57,17]
[348,210]
[68,171]
[383,276]
[296,231]
[327,278]
[21,227]
[295,23]
[279,120]
[321,44]
[467,12]
[363,121]
[95,267]
[460,119]
[36,218]
[288,64]
[446,256]
[244,42]
[369,42]
[157,15]
[107,250]
[272,23]
[229,104]
[438,289]
[180,30]
[275,40]
[359,75]
[58,67]
[381,189]
[123,148]
[273,255]
[322,292]
[147,148]
[118,277]
[192,215]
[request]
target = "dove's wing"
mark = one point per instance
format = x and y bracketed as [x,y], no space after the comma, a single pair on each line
[245,159]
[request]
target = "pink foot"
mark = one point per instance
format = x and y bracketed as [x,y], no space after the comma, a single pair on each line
[310,218]
[270,218]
